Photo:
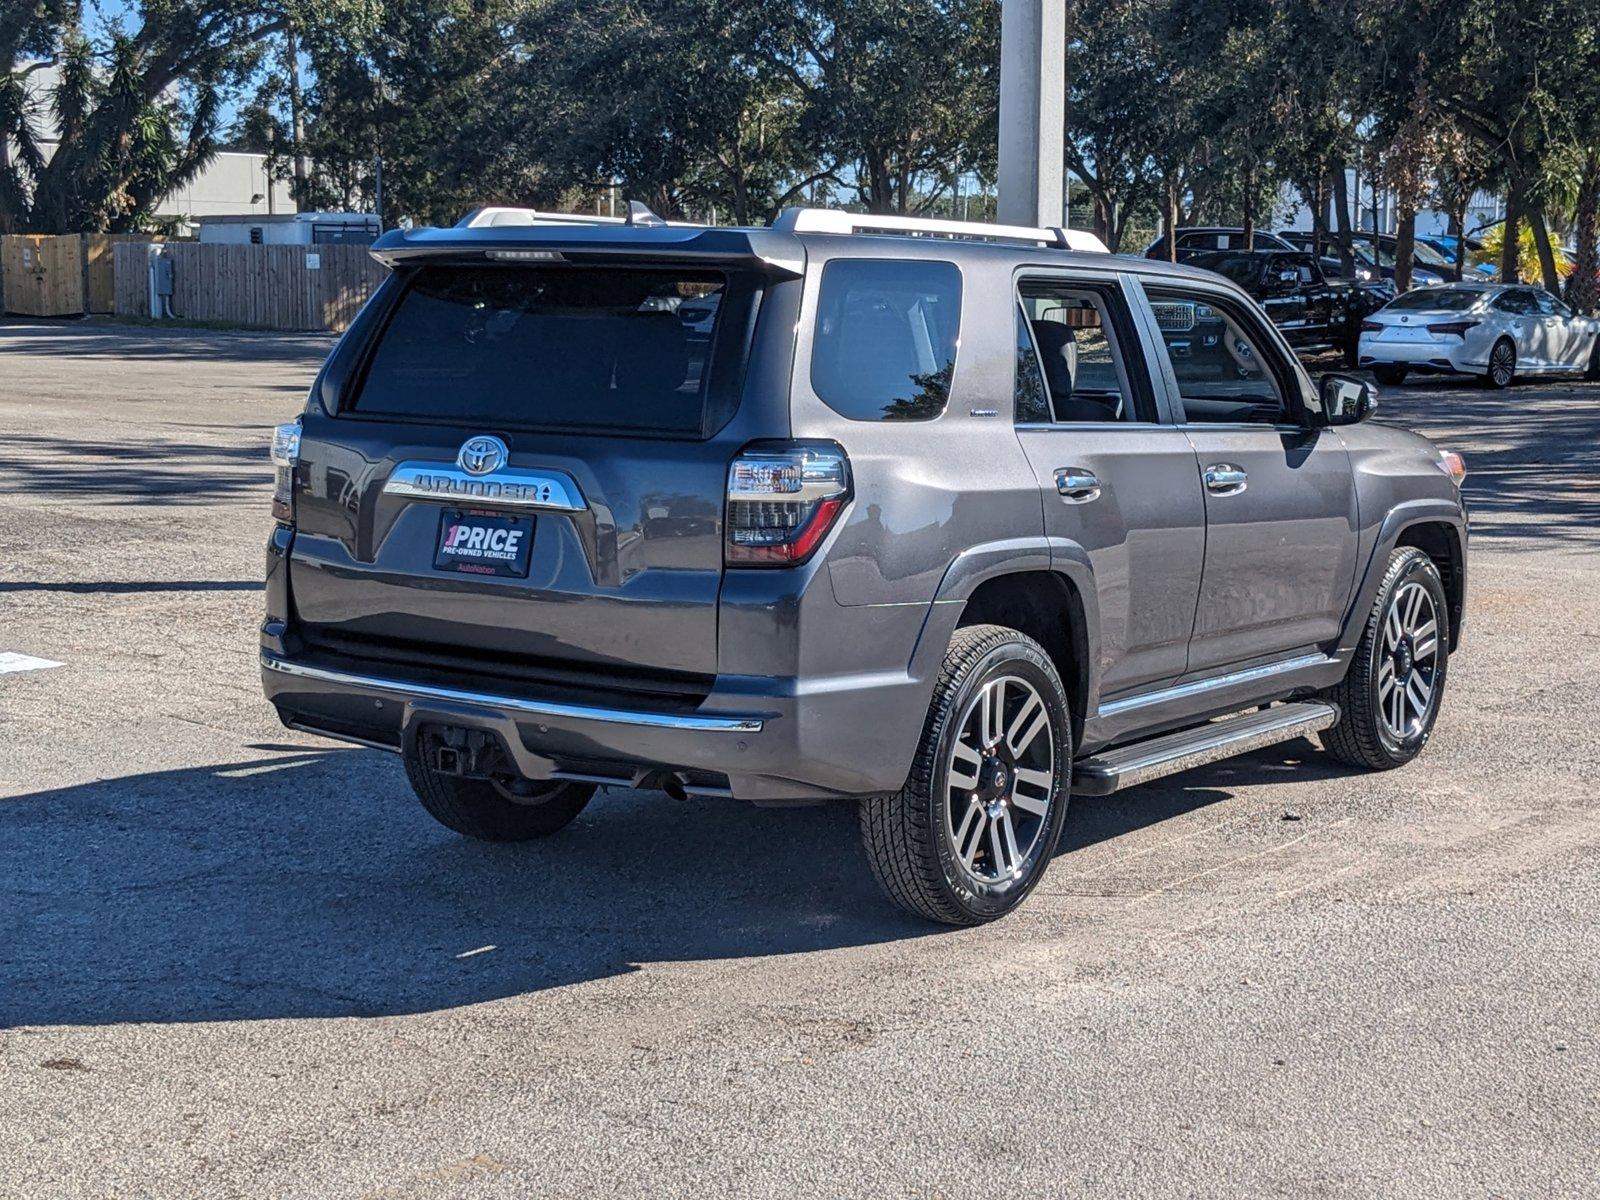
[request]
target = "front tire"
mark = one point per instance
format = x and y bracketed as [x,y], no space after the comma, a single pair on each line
[1594,361]
[512,812]
[1502,369]
[1389,699]
[1389,376]
[974,828]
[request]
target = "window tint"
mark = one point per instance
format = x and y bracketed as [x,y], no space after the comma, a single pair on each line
[1549,306]
[1217,357]
[1030,400]
[885,342]
[1083,370]
[1517,302]
[1437,300]
[591,348]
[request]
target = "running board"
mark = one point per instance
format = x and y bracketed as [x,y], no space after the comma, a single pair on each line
[1128,766]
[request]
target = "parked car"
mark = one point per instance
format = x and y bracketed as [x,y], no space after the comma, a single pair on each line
[1496,332]
[1448,246]
[1312,312]
[1375,257]
[1203,239]
[946,520]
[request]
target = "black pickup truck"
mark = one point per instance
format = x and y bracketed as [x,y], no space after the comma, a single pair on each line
[1312,311]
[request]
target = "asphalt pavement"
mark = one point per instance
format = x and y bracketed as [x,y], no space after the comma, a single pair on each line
[237,961]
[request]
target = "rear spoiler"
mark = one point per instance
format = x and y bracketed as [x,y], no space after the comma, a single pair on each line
[590,240]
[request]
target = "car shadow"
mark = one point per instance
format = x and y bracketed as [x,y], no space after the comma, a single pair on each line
[312,884]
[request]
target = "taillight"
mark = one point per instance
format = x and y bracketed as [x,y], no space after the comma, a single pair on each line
[1371,327]
[285,454]
[782,500]
[1456,328]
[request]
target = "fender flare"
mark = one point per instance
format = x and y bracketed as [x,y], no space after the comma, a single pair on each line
[993,560]
[1396,521]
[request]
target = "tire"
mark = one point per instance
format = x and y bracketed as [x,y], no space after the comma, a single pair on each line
[1502,369]
[1381,674]
[1351,354]
[965,855]
[1389,376]
[483,810]
[1594,361]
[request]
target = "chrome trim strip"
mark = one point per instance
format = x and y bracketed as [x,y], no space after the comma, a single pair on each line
[1201,686]
[536,708]
[509,487]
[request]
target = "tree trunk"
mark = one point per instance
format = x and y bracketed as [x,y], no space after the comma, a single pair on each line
[1547,258]
[1583,292]
[1319,209]
[1458,220]
[297,119]
[1170,217]
[1405,247]
[1341,217]
[1511,231]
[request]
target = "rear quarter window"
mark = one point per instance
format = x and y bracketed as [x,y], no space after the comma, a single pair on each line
[580,348]
[884,348]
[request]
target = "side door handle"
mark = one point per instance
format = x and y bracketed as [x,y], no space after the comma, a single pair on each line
[1077,485]
[1225,479]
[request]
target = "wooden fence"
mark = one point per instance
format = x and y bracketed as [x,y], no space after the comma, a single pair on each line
[41,275]
[262,287]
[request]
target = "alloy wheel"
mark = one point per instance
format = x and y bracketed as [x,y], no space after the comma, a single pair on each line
[1408,665]
[1000,779]
[1502,363]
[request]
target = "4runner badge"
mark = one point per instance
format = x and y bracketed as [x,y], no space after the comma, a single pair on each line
[482,455]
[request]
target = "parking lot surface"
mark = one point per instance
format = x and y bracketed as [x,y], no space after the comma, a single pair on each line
[238,961]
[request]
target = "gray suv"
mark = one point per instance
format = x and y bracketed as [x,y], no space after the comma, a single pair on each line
[948,520]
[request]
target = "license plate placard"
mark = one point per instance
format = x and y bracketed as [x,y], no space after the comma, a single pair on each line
[475,542]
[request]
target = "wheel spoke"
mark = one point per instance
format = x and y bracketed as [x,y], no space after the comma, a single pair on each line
[1028,802]
[1413,606]
[1385,679]
[1040,720]
[1013,856]
[991,712]
[1391,628]
[1397,711]
[964,764]
[970,836]
[1417,695]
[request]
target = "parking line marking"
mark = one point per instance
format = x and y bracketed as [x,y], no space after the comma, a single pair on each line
[10,661]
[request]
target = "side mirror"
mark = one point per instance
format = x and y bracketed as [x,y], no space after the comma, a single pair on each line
[1346,399]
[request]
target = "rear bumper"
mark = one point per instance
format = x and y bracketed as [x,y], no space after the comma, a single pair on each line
[1424,357]
[761,740]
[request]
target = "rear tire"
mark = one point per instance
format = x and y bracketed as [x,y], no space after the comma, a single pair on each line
[1389,376]
[1502,369]
[479,809]
[1594,361]
[974,828]
[1389,699]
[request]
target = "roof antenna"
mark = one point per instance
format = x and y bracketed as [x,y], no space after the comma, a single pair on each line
[640,214]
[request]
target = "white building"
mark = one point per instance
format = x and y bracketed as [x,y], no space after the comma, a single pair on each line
[1292,213]
[234,182]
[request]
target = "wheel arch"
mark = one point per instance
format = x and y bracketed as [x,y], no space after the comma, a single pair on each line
[1048,606]
[1437,528]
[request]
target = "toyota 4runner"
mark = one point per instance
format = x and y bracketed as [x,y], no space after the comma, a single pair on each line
[948,520]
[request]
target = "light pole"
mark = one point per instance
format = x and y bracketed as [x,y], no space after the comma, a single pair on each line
[1033,111]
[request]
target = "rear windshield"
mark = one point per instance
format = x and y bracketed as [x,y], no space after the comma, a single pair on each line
[1437,300]
[615,349]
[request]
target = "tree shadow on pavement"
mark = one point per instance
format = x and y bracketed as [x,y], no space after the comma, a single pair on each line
[313,885]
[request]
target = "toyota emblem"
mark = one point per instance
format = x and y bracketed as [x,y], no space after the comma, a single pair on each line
[482,455]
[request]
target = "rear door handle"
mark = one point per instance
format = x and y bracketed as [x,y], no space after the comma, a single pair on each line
[1225,479]
[1077,485]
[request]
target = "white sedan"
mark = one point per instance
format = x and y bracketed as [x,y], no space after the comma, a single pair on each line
[1496,332]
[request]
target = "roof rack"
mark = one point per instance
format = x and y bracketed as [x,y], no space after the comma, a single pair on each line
[832,220]
[480,218]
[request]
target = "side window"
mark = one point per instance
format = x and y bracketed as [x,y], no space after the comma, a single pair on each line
[1081,364]
[1518,303]
[1030,400]
[1550,306]
[885,341]
[1218,358]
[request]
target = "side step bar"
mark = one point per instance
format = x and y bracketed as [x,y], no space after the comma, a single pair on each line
[1129,766]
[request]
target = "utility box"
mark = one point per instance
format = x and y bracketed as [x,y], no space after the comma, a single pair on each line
[291,229]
